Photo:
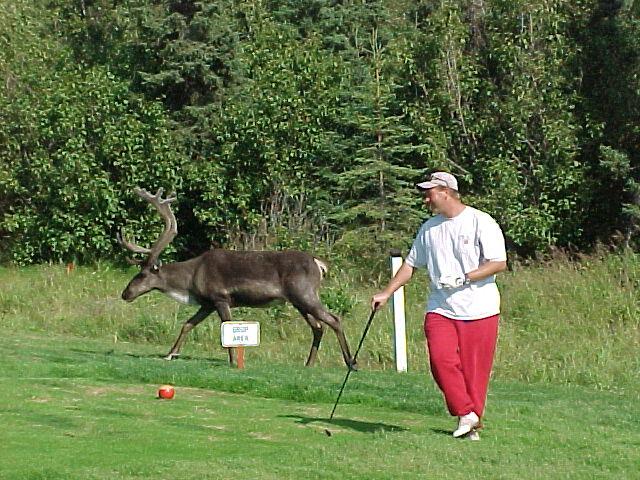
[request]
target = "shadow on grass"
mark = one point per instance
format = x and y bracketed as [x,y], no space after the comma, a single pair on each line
[365,427]
[215,361]
[156,356]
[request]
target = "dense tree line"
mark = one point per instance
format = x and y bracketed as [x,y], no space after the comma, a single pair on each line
[306,123]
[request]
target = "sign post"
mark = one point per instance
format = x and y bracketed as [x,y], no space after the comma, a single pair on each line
[399,338]
[239,335]
[240,356]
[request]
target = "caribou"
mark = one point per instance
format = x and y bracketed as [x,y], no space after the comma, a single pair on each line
[219,280]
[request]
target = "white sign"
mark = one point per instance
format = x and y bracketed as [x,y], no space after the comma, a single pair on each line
[240,334]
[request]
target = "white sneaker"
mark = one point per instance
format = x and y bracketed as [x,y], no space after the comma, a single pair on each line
[466,423]
[473,435]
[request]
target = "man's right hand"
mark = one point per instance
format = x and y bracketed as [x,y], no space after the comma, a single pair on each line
[379,300]
[402,276]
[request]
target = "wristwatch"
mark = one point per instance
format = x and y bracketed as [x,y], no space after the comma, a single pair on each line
[467,280]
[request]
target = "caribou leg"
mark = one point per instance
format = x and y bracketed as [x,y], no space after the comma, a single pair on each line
[316,328]
[199,316]
[334,322]
[224,312]
[309,305]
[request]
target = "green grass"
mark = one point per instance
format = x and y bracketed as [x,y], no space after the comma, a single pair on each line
[80,368]
[74,408]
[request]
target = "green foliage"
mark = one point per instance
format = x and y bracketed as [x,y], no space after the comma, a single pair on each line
[181,52]
[610,57]
[300,124]
[78,145]
[270,138]
[620,171]
[503,92]
[377,184]
[339,296]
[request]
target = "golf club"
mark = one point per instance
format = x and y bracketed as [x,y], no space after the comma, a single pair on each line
[364,334]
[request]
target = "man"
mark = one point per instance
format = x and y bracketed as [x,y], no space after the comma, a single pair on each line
[463,249]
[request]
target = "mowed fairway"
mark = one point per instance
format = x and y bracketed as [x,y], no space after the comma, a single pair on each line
[73,408]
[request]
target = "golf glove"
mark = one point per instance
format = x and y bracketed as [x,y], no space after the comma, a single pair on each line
[451,281]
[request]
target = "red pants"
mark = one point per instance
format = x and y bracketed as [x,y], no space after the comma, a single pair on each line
[461,356]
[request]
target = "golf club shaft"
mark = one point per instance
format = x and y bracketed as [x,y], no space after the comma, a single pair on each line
[364,334]
[335,405]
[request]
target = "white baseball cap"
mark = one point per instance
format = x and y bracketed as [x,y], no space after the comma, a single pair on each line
[439,179]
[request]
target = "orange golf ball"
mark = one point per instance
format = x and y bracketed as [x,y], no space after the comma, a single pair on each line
[166,391]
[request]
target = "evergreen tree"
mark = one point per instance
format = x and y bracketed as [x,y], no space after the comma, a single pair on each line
[379,184]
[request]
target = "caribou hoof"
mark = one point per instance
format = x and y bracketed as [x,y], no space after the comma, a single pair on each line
[171,356]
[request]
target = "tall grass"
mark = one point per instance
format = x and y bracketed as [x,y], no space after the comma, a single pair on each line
[573,322]
[563,322]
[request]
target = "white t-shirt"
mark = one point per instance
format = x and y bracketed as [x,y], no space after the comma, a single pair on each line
[455,246]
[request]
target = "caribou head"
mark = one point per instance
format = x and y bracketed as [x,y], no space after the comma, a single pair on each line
[151,276]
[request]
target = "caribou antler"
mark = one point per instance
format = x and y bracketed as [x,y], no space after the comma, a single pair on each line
[130,246]
[163,206]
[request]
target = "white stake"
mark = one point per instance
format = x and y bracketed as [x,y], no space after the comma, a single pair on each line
[400,340]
